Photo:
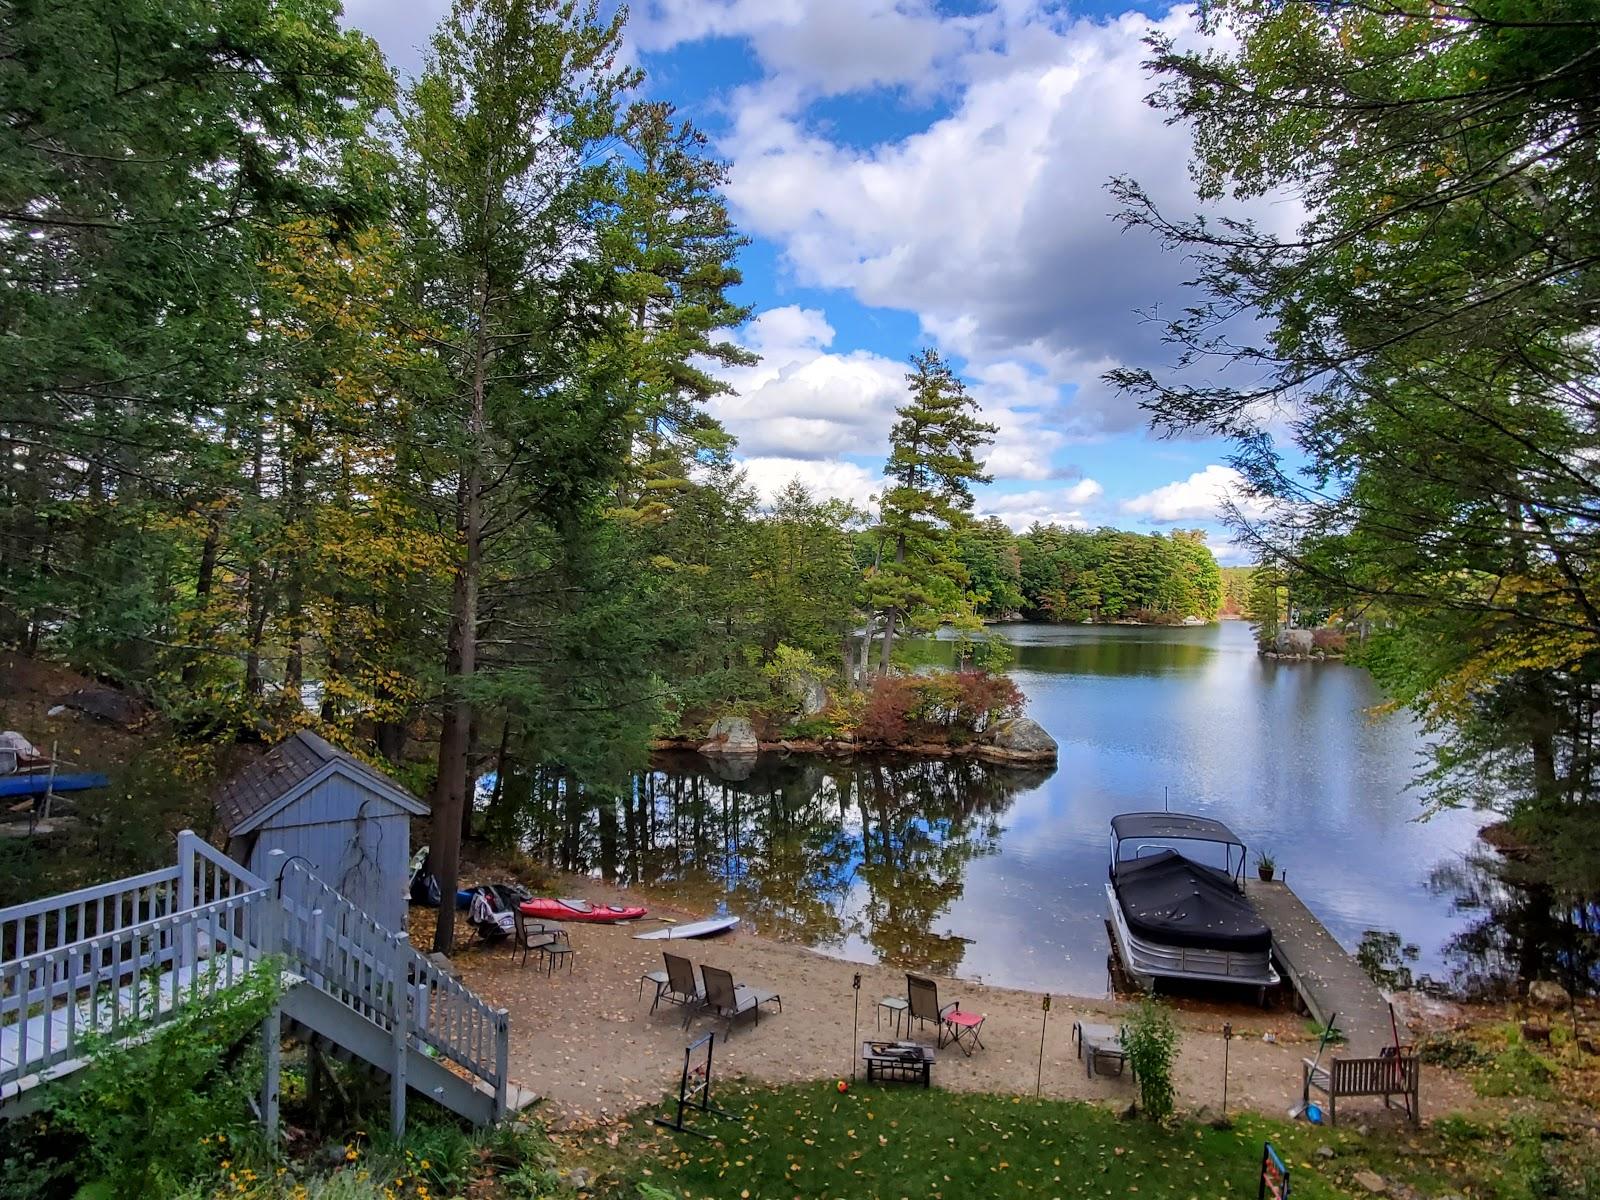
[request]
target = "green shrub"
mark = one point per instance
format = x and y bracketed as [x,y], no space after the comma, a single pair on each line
[1516,1071]
[156,1114]
[1150,1040]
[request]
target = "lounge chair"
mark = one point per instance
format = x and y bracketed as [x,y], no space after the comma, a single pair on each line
[954,1025]
[1097,1045]
[679,988]
[728,999]
[535,937]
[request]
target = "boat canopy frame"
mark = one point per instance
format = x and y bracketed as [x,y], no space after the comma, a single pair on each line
[1163,827]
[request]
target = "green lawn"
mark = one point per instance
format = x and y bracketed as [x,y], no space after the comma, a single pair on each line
[900,1141]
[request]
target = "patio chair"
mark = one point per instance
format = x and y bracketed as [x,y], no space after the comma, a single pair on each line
[728,999]
[680,987]
[535,937]
[954,1026]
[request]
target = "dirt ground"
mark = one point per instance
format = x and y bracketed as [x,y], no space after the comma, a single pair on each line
[587,1043]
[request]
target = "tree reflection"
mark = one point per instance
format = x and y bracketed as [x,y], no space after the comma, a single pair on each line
[810,849]
[1526,931]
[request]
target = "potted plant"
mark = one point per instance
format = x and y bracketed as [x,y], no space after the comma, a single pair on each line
[1266,866]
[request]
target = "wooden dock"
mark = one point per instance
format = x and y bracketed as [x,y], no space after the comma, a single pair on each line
[1326,975]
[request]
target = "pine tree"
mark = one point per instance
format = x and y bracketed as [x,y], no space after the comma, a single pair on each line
[932,466]
[503,138]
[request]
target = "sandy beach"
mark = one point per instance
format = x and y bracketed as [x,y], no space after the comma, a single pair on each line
[586,1042]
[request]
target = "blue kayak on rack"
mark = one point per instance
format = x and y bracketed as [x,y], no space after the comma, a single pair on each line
[38,785]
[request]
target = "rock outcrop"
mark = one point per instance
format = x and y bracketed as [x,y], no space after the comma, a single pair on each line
[731,737]
[1547,993]
[1020,739]
[105,704]
[1295,641]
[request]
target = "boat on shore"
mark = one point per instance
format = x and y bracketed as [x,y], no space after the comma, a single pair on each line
[581,910]
[1176,916]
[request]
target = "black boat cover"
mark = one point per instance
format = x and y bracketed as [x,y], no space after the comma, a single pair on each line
[1172,825]
[1170,899]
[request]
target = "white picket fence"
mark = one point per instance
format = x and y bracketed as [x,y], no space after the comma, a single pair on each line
[121,958]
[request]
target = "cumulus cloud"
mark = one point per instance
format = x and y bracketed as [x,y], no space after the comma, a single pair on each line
[825,479]
[803,402]
[823,47]
[1201,497]
[992,224]
[1045,506]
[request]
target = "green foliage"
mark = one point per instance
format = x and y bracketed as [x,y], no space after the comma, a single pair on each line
[917,576]
[1516,1070]
[1440,370]
[789,671]
[156,1113]
[1111,575]
[1150,1039]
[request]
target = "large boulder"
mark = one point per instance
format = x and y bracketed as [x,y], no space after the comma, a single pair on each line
[105,704]
[810,695]
[1022,739]
[1547,993]
[1295,641]
[731,737]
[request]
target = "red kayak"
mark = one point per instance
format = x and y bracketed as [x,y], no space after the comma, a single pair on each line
[580,910]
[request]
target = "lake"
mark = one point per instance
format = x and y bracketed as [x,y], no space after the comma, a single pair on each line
[998,874]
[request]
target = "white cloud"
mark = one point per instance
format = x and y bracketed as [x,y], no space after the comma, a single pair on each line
[993,224]
[1052,506]
[823,46]
[1200,497]
[803,402]
[825,479]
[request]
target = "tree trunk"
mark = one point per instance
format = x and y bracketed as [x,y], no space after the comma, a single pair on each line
[890,616]
[461,656]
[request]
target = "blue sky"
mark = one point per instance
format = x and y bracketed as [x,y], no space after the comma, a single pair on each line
[932,172]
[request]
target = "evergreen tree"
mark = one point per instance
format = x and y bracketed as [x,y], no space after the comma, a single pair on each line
[500,137]
[932,466]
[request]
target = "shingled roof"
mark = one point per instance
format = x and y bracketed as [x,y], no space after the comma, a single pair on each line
[288,765]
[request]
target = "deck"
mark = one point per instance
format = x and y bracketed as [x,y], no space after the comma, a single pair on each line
[1326,975]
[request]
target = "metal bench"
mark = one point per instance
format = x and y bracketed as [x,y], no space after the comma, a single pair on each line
[1387,1075]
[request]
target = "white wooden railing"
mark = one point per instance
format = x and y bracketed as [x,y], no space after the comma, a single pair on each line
[125,955]
[106,959]
[378,973]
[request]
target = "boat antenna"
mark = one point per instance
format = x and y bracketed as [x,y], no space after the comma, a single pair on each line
[1164,807]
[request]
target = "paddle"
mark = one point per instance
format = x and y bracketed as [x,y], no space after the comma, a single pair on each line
[1305,1085]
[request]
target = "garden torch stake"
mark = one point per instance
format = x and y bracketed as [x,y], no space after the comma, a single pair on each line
[1038,1080]
[855,1027]
[1227,1041]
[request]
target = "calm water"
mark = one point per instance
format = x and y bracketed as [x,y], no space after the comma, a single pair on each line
[998,874]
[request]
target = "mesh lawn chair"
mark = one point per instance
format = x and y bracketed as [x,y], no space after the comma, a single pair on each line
[728,999]
[953,1025]
[535,937]
[680,987]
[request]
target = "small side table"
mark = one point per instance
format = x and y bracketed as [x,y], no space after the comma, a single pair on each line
[897,1009]
[554,953]
[908,1062]
[1097,1043]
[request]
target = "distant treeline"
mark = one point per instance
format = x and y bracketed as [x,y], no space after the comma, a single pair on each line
[1072,575]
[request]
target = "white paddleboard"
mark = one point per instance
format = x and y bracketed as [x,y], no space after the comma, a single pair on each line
[693,930]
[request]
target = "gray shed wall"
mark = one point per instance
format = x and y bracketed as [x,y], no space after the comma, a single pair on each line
[355,840]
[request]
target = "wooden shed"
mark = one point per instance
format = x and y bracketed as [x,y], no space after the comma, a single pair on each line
[351,822]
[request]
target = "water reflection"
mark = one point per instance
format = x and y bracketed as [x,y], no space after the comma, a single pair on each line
[1519,928]
[953,865]
[867,854]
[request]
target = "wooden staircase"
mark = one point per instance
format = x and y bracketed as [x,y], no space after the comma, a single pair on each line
[122,958]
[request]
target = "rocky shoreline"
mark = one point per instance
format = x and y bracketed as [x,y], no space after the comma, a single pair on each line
[1020,741]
